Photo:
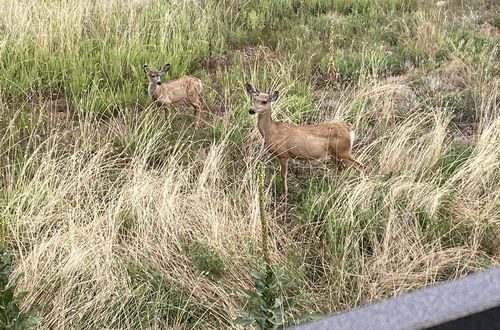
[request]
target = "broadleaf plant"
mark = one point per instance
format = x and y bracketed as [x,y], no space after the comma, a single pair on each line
[11,315]
[267,304]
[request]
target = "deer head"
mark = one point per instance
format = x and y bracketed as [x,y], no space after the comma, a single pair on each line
[154,75]
[261,101]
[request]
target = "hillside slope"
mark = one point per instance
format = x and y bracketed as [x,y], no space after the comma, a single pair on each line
[121,218]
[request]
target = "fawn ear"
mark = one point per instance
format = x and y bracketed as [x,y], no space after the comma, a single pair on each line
[274,96]
[146,69]
[164,68]
[250,89]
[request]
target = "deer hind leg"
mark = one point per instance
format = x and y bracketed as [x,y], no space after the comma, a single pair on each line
[194,100]
[348,160]
[284,172]
[197,106]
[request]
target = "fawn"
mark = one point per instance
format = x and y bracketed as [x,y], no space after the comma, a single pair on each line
[304,142]
[185,88]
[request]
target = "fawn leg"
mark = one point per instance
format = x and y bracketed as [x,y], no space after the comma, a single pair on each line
[284,172]
[197,106]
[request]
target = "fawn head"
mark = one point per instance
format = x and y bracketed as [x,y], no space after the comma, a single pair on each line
[154,75]
[261,101]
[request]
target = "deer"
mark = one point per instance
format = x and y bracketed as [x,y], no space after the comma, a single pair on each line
[303,142]
[185,88]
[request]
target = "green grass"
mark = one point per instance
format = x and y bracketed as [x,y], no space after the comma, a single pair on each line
[206,259]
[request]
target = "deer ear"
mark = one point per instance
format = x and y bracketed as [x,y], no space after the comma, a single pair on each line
[146,69]
[164,68]
[250,89]
[274,96]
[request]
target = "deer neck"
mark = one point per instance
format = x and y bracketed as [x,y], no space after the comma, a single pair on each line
[153,89]
[265,124]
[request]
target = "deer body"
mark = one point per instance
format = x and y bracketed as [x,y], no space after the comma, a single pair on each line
[185,88]
[304,142]
[308,142]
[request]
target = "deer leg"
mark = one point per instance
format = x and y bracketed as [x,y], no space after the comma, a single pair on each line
[338,162]
[196,104]
[348,160]
[284,170]
[194,100]
[163,106]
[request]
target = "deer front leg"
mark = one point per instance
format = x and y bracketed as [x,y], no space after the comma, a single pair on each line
[197,106]
[164,106]
[284,170]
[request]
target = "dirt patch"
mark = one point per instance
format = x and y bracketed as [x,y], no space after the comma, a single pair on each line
[60,106]
[250,56]
[253,54]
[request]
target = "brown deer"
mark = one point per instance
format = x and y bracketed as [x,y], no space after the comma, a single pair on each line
[305,142]
[185,88]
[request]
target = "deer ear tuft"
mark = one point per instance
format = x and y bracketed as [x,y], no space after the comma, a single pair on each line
[274,96]
[250,89]
[165,68]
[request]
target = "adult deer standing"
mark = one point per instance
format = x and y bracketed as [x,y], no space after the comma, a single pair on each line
[305,142]
[185,88]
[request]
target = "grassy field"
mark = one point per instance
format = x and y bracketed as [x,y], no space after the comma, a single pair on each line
[121,218]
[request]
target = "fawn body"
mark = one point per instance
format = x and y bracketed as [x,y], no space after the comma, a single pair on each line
[304,142]
[185,88]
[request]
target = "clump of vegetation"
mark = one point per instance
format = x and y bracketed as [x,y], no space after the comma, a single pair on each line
[11,314]
[206,259]
[268,305]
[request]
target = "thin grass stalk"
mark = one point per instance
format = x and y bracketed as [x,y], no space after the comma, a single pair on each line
[263,219]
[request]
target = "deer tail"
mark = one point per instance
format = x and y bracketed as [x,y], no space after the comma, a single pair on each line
[352,136]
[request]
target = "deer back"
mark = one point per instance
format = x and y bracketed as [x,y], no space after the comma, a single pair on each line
[308,141]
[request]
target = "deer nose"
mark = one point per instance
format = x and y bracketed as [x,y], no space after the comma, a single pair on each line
[251,111]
